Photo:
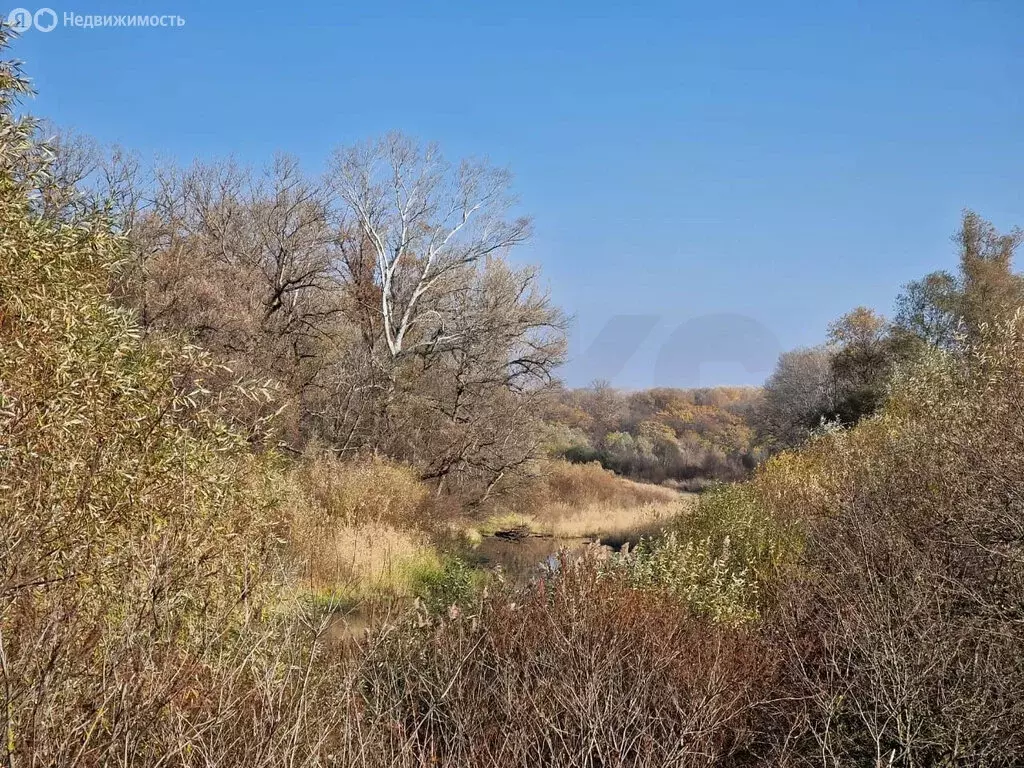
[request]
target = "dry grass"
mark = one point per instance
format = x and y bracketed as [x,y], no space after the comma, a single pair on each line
[580,485]
[606,521]
[359,562]
[587,501]
[357,528]
[366,491]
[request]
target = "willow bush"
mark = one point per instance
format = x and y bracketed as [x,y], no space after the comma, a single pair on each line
[139,555]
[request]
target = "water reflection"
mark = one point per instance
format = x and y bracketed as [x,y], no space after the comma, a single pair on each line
[523,560]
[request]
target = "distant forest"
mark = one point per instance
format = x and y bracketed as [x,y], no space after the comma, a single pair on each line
[659,435]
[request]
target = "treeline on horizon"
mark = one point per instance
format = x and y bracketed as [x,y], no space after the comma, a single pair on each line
[682,437]
[207,373]
[721,433]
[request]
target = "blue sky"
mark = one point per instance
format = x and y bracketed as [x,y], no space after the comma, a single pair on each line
[741,172]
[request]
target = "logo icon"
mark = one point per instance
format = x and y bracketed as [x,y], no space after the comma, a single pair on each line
[45,19]
[20,20]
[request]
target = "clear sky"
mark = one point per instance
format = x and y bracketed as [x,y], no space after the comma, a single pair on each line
[739,173]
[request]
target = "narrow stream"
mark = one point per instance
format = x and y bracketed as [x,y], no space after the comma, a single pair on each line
[522,560]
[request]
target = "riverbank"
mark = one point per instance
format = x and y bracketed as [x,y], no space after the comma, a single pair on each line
[371,571]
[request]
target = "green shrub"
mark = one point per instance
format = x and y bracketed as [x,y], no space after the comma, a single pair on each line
[708,577]
[453,583]
[717,557]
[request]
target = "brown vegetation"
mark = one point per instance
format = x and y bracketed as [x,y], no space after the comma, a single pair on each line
[908,631]
[377,299]
[580,671]
[588,501]
[657,434]
[580,485]
[855,602]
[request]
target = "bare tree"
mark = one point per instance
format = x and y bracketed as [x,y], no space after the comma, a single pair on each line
[797,395]
[258,253]
[484,395]
[377,298]
[426,222]
[73,160]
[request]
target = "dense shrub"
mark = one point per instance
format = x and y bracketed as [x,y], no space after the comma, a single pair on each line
[453,584]
[582,670]
[909,622]
[897,597]
[886,562]
[139,552]
[718,556]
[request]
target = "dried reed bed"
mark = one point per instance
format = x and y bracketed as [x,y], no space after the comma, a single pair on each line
[358,529]
[587,501]
[579,485]
[607,522]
